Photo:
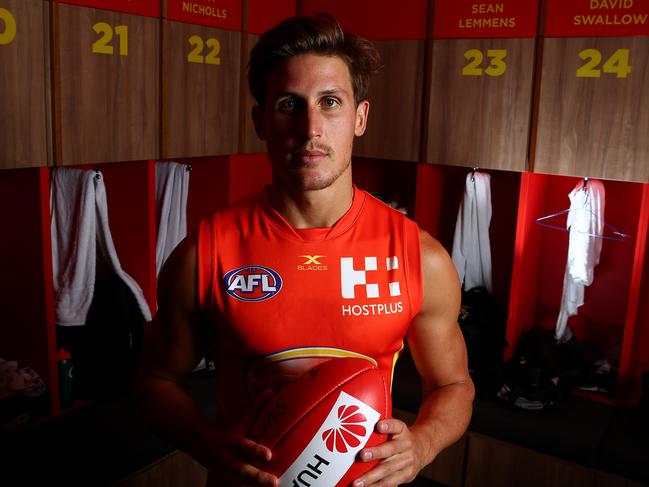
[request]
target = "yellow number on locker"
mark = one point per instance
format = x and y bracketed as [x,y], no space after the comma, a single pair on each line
[473,68]
[589,70]
[9,33]
[122,33]
[213,56]
[103,44]
[617,64]
[497,65]
[196,54]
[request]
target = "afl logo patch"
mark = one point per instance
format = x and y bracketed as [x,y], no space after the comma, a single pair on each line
[252,283]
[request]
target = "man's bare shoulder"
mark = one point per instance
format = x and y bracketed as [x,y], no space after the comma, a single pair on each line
[433,253]
[440,279]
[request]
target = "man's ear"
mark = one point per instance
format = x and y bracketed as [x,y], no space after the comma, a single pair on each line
[258,120]
[362,111]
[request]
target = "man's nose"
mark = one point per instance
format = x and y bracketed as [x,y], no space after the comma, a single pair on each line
[312,122]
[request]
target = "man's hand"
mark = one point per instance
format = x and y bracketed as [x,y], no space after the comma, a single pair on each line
[401,457]
[238,461]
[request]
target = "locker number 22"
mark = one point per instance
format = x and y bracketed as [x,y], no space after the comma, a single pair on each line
[7,34]
[196,54]
[475,57]
[104,45]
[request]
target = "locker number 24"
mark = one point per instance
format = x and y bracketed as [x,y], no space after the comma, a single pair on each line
[8,33]
[104,45]
[617,64]
[496,59]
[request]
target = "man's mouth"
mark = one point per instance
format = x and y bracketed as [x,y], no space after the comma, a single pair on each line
[311,156]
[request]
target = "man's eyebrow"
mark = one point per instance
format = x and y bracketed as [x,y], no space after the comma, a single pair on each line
[333,91]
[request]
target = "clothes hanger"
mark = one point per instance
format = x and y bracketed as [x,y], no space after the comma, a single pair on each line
[616,234]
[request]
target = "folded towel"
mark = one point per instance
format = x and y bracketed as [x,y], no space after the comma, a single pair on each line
[171,188]
[79,226]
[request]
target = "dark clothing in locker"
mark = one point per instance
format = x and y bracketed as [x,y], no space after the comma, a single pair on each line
[106,351]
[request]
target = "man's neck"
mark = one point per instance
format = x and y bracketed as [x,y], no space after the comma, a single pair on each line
[312,209]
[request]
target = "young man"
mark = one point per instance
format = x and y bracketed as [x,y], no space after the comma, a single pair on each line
[310,270]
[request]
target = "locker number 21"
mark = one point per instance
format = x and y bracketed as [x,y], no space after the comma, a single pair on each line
[104,45]
[8,33]
[475,57]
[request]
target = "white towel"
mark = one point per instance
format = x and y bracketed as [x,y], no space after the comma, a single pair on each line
[471,245]
[171,190]
[79,225]
[586,225]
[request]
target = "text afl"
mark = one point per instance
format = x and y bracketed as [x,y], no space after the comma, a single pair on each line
[252,283]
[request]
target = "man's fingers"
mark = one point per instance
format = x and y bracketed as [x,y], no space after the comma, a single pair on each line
[386,473]
[390,426]
[246,473]
[253,450]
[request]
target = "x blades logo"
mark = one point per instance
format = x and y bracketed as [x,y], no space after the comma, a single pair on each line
[312,263]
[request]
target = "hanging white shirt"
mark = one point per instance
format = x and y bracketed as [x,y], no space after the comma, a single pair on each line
[471,244]
[586,225]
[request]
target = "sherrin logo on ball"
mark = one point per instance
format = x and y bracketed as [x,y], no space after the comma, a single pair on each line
[252,283]
[317,425]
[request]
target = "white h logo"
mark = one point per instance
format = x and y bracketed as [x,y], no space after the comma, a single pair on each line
[350,277]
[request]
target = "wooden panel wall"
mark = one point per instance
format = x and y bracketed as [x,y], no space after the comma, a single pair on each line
[108,104]
[593,126]
[480,120]
[25,132]
[249,142]
[200,99]
[396,94]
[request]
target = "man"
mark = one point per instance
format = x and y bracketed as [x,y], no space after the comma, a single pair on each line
[310,270]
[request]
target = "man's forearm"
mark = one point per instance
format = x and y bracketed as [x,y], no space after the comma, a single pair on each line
[176,417]
[444,416]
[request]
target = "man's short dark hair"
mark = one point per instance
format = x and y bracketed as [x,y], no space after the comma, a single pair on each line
[320,34]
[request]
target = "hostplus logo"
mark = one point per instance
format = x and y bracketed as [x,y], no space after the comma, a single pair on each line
[355,281]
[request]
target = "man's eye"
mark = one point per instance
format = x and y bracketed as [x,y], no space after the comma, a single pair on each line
[286,105]
[331,103]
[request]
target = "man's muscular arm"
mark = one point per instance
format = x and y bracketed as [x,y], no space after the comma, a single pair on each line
[173,346]
[439,352]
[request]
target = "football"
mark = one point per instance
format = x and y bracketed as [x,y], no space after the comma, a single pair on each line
[316,425]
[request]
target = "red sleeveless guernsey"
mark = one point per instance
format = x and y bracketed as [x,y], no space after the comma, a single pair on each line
[284,299]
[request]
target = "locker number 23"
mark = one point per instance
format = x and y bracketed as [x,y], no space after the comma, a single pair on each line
[8,33]
[496,58]
[104,45]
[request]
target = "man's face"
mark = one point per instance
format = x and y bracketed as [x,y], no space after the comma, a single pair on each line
[309,120]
